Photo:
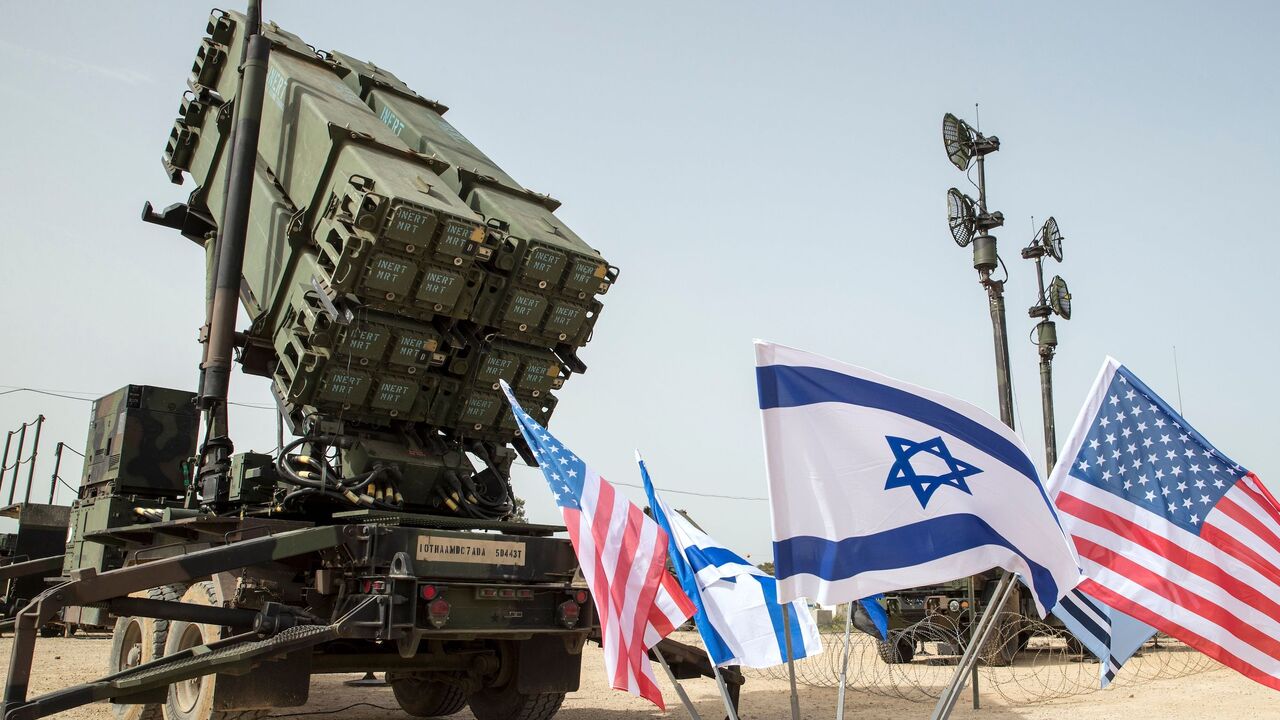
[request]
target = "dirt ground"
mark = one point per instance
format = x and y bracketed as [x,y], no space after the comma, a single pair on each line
[1216,693]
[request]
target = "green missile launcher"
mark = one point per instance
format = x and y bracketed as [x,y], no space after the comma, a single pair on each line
[393,273]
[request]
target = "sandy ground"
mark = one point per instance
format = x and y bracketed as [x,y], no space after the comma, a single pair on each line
[1213,693]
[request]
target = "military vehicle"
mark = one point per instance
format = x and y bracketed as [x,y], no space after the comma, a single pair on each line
[392,275]
[35,547]
[30,553]
[945,612]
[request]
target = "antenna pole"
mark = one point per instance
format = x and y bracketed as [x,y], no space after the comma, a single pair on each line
[985,258]
[1177,376]
[216,370]
[1046,327]
[57,467]
[17,461]
[4,465]
[31,469]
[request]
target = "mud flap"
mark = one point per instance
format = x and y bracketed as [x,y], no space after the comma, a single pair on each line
[546,665]
[279,682]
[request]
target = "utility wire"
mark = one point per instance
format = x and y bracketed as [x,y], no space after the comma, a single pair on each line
[332,712]
[39,391]
[14,389]
[66,484]
[690,492]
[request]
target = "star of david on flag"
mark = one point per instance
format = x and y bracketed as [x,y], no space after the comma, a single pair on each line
[877,485]
[903,473]
[622,554]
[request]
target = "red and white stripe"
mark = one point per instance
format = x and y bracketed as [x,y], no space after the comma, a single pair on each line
[623,555]
[1218,591]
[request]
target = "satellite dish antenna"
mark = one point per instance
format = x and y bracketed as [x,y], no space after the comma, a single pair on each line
[1059,297]
[961,217]
[1051,239]
[957,136]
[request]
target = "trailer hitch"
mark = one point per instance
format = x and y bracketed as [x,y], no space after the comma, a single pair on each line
[87,587]
[236,653]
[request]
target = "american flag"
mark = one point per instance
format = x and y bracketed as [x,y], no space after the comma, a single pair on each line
[1169,529]
[623,556]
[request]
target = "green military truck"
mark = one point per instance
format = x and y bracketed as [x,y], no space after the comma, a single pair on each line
[943,614]
[391,275]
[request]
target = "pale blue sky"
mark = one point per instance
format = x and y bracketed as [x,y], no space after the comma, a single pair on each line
[756,169]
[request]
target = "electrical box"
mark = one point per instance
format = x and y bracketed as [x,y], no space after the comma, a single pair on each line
[139,438]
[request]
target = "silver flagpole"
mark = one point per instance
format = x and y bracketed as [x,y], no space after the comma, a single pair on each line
[791,663]
[844,664]
[969,660]
[724,692]
[684,698]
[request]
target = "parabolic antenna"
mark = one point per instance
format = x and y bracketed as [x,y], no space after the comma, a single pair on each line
[958,139]
[960,217]
[1051,238]
[1059,297]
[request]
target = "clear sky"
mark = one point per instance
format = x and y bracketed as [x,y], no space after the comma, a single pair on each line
[769,170]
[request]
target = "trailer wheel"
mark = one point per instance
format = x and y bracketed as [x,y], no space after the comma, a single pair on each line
[136,640]
[899,648]
[193,699]
[129,648]
[420,696]
[508,703]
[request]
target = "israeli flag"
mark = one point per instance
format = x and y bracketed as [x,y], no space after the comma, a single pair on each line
[738,614]
[878,485]
[1112,636]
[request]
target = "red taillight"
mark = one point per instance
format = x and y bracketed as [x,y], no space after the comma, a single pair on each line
[366,587]
[438,612]
[580,597]
[429,592]
[570,612]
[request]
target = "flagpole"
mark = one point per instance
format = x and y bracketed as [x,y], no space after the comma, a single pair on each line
[844,664]
[969,660]
[791,662]
[724,691]
[684,697]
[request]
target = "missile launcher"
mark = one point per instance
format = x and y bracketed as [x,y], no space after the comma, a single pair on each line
[393,273]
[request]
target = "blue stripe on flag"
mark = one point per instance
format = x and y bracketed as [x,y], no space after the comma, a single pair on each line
[770,587]
[1090,625]
[900,547]
[700,557]
[786,386]
[1079,596]
[716,647]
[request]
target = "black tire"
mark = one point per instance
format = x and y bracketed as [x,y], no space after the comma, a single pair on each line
[130,647]
[898,649]
[136,640]
[422,697]
[507,703]
[193,699]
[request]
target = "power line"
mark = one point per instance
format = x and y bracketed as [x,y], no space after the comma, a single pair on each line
[39,391]
[94,396]
[690,492]
[45,392]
